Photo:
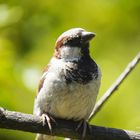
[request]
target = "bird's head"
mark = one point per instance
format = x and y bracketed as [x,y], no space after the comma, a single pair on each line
[73,44]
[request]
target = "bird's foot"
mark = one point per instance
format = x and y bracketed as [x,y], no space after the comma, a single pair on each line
[84,125]
[47,119]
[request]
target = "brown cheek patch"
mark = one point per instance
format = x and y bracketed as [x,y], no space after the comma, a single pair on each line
[58,45]
[57,54]
[60,42]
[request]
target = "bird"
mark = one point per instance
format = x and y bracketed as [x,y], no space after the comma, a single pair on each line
[70,83]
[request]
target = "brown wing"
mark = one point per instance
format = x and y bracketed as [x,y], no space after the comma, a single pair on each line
[42,79]
[41,83]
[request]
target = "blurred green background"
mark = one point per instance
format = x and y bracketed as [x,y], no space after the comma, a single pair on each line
[28,30]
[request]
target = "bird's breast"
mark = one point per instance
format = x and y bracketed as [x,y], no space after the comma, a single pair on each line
[65,97]
[75,100]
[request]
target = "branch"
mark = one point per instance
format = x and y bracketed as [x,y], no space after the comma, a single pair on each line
[64,128]
[115,85]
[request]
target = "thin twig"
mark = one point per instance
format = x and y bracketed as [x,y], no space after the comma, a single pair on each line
[64,128]
[115,85]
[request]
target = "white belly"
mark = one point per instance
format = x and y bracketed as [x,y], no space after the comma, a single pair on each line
[76,101]
[70,101]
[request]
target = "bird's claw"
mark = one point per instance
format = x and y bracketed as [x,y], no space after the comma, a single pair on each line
[84,125]
[46,119]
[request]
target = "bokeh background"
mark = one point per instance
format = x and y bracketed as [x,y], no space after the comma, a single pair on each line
[28,30]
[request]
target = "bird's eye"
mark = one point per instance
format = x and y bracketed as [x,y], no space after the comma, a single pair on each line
[73,41]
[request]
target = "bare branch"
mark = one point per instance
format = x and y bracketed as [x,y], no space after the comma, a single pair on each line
[115,85]
[64,128]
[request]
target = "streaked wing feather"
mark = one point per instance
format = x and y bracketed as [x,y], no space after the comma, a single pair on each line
[42,78]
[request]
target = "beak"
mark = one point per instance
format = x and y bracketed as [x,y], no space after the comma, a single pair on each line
[87,36]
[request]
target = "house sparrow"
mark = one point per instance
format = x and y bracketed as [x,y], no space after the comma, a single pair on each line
[70,83]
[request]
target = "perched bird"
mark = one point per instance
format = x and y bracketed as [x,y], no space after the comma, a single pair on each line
[70,83]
